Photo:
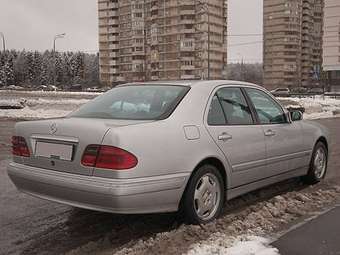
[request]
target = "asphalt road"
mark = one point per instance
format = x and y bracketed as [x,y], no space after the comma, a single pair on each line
[32,226]
[320,236]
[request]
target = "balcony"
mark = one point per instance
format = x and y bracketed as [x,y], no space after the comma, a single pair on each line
[102,38]
[113,63]
[107,6]
[113,38]
[187,45]
[113,30]
[113,55]
[113,46]
[188,67]
[113,22]
[187,12]
[188,31]
[188,76]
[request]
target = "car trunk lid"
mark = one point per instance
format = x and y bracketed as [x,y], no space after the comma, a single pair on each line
[58,144]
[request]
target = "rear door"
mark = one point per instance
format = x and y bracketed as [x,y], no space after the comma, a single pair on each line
[284,140]
[231,125]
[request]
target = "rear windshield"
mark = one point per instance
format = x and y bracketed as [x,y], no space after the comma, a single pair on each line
[137,102]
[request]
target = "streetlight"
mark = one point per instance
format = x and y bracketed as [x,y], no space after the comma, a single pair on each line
[3,41]
[205,7]
[4,49]
[58,36]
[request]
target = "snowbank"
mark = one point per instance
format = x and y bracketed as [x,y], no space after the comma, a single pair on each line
[12,104]
[247,245]
[28,113]
[42,104]
[37,108]
[241,228]
[252,245]
[316,108]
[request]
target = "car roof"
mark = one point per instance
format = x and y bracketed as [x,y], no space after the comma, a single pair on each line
[194,83]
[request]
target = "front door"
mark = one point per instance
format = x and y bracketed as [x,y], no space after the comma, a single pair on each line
[284,140]
[232,126]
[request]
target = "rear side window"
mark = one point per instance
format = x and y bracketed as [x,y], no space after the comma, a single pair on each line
[216,116]
[138,102]
[229,107]
[268,110]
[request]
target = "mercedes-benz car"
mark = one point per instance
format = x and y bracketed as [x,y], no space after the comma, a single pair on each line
[167,146]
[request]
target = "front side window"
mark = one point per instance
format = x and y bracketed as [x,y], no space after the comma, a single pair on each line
[134,102]
[268,110]
[229,107]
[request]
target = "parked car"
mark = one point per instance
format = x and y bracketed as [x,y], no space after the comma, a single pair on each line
[316,90]
[167,146]
[93,89]
[42,88]
[298,90]
[14,87]
[283,92]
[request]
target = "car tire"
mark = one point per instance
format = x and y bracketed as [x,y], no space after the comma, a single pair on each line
[204,197]
[318,165]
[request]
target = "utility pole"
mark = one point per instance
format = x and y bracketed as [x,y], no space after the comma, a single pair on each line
[3,41]
[59,36]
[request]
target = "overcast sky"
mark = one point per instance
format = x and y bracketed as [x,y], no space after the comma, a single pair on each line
[32,25]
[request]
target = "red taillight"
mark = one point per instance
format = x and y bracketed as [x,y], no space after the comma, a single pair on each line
[19,147]
[108,157]
[90,155]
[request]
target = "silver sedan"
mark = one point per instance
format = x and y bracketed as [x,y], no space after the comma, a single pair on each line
[167,146]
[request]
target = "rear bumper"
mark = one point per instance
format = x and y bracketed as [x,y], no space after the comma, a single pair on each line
[138,195]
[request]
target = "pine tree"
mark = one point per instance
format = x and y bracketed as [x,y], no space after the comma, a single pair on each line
[36,68]
[9,69]
[29,69]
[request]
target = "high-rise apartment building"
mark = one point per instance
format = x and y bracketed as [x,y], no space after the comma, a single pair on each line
[292,53]
[331,43]
[141,40]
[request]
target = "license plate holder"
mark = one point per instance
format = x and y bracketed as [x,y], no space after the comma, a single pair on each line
[57,151]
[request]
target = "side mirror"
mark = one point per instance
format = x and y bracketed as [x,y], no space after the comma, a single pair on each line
[296,115]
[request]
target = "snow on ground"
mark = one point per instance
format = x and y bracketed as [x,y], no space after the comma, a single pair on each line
[49,93]
[241,228]
[42,104]
[28,113]
[243,245]
[252,245]
[317,107]
[41,108]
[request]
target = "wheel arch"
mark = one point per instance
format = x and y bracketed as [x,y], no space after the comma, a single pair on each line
[324,141]
[211,160]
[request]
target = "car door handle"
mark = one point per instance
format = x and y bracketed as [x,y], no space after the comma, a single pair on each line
[224,137]
[269,132]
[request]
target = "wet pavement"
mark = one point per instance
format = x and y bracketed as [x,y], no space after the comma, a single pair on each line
[319,236]
[34,226]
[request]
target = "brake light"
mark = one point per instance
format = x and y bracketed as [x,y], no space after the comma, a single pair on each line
[108,157]
[19,146]
[90,155]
